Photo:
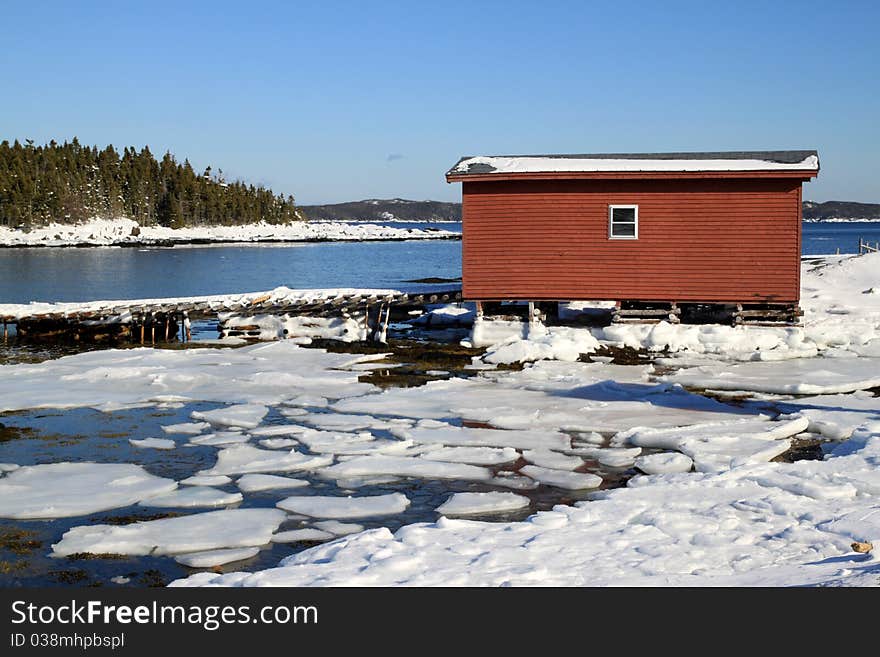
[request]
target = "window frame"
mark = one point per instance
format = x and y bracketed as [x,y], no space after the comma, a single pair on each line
[626,206]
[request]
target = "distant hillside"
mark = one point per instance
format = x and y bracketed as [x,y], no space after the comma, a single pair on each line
[841,211]
[384,210]
[403,210]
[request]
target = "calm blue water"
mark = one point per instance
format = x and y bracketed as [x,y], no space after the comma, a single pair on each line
[134,273]
[48,274]
[822,238]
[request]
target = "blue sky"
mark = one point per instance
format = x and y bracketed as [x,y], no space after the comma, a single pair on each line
[334,101]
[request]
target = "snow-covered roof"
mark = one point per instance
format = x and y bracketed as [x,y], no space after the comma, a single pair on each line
[638,162]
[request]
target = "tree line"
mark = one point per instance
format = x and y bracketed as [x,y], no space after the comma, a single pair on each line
[69,182]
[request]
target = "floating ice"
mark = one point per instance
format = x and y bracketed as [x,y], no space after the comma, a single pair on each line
[404,466]
[664,463]
[279,443]
[278,430]
[545,458]
[344,422]
[61,490]
[242,459]
[323,506]
[461,504]
[473,455]
[212,530]
[447,434]
[720,446]
[562,478]
[262,374]
[191,428]
[299,535]
[330,442]
[153,443]
[193,496]
[339,528]
[792,377]
[242,416]
[252,483]
[220,438]
[211,558]
[206,480]
[514,481]
[613,457]
[835,416]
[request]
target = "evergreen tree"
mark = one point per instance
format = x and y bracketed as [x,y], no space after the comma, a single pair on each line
[69,182]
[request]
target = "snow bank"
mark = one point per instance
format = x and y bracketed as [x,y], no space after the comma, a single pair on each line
[841,312]
[110,232]
[60,490]
[768,524]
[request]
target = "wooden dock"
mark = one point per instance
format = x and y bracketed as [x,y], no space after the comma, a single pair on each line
[164,320]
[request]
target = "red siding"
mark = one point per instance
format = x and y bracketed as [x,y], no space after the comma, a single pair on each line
[699,240]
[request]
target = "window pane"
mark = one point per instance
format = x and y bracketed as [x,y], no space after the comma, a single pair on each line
[623,214]
[623,230]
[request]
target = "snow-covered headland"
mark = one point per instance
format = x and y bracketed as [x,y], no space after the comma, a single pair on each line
[715,497]
[127,232]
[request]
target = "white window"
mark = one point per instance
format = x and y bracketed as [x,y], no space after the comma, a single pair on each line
[623,222]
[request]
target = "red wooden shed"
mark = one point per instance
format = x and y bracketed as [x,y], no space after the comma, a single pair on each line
[634,227]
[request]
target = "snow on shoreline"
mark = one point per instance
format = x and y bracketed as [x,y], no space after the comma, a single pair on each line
[127,232]
[741,517]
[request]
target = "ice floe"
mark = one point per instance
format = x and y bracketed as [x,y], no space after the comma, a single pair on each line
[324,506]
[153,443]
[60,490]
[793,377]
[404,466]
[220,438]
[193,496]
[212,558]
[252,483]
[562,478]
[339,528]
[299,535]
[664,463]
[206,480]
[243,459]
[240,416]
[262,374]
[546,458]
[473,455]
[721,446]
[212,530]
[191,428]
[462,504]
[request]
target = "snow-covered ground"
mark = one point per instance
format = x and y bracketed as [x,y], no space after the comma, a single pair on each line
[121,231]
[711,503]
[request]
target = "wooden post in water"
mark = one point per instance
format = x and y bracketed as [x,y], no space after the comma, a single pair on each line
[167,327]
[187,326]
[142,328]
[153,328]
